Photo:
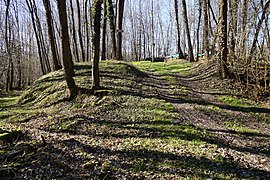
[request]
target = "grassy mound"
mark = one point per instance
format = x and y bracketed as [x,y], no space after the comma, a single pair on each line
[130,130]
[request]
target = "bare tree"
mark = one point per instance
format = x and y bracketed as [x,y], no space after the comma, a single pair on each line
[223,49]
[66,52]
[181,54]
[96,15]
[56,62]
[104,29]
[198,29]
[190,48]
[257,30]
[80,30]
[110,13]
[74,36]
[206,28]
[120,29]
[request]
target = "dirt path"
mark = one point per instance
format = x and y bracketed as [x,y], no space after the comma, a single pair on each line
[241,133]
[134,135]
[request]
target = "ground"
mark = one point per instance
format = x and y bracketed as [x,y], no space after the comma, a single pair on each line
[152,121]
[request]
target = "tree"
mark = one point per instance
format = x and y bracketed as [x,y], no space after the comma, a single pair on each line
[42,52]
[198,29]
[152,31]
[223,49]
[110,14]
[66,52]
[180,52]
[74,36]
[206,28]
[120,30]
[9,80]
[104,29]
[257,30]
[96,17]
[190,48]
[80,30]
[56,62]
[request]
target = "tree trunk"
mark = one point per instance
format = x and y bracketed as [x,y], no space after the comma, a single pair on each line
[233,25]
[190,48]
[80,30]
[66,52]
[30,7]
[74,35]
[86,24]
[104,30]
[96,17]
[180,52]
[56,62]
[206,28]
[9,80]
[198,29]
[110,13]
[120,31]
[223,49]
[257,31]
[152,31]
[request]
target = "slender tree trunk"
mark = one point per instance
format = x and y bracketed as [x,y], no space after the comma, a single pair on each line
[206,28]
[86,24]
[9,81]
[110,13]
[66,52]
[30,7]
[152,31]
[41,37]
[198,29]
[80,30]
[74,34]
[223,49]
[257,30]
[96,17]
[190,48]
[56,62]
[120,30]
[180,52]
[104,31]
[233,11]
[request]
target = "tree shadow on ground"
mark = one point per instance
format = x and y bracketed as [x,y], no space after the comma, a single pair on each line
[182,165]
[157,130]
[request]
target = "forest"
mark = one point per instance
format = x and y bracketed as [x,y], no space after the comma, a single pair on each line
[134,89]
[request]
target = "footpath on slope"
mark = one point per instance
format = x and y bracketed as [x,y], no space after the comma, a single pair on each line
[161,125]
[241,131]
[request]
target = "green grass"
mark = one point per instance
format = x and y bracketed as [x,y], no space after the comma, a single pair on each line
[164,69]
[125,130]
[239,102]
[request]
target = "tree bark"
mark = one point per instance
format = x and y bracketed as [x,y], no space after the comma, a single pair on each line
[257,31]
[190,48]
[74,35]
[104,31]
[120,30]
[96,17]
[56,62]
[80,30]
[206,28]
[9,78]
[223,49]
[110,13]
[66,52]
[180,52]
[198,29]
